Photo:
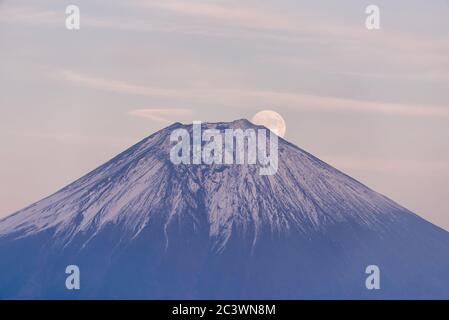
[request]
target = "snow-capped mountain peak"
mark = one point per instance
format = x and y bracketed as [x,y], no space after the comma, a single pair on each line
[141,211]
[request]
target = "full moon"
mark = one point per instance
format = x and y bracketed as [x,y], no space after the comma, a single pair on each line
[272,120]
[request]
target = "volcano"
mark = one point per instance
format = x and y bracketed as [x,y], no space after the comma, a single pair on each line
[141,227]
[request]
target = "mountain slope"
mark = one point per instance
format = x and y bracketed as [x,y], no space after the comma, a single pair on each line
[141,227]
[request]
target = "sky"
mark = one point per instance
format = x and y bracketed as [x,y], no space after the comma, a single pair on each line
[372,103]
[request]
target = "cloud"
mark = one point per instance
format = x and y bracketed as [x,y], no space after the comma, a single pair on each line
[298,25]
[29,15]
[237,17]
[90,81]
[76,138]
[229,14]
[111,85]
[336,104]
[237,21]
[257,98]
[409,55]
[164,116]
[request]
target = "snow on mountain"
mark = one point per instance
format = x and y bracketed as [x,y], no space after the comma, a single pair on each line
[141,226]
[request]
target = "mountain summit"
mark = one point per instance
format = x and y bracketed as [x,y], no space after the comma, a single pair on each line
[142,227]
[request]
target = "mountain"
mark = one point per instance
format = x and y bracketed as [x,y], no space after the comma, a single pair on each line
[142,227]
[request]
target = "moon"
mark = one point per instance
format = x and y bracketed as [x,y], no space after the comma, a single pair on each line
[272,120]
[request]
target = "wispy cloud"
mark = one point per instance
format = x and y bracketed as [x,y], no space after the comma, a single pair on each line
[235,15]
[93,82]
[29,15]
[76,138]
[410,56]
[257,98]
[163,116]
[336,104]
[297,25]
[236,21]
[33,15]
